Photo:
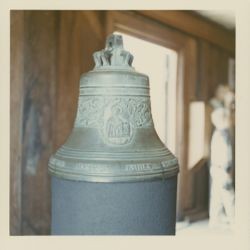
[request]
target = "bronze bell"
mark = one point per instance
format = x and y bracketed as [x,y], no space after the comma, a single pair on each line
[113,139]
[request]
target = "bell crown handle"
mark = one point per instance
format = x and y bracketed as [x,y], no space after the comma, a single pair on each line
[114,54]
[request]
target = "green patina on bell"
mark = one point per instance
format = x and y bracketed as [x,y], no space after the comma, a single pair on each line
[113,139]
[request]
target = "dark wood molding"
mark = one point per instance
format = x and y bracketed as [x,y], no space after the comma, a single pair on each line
[142,27]
[195,25]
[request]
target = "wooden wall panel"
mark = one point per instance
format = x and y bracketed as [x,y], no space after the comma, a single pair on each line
[219,69]
[204,71]
[223,69]
[80,34]
[49,52]
[212,69]
[40,29]
[16,100]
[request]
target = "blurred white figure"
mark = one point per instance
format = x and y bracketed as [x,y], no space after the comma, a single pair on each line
[221,169]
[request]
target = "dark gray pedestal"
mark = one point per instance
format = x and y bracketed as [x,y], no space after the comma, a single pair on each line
[137,208]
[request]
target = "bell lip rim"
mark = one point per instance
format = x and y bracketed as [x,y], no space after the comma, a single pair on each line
[139,175]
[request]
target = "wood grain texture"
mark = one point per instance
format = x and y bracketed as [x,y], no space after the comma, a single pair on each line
[50,50]
[16,103]
[185,93]
[190,79]
[205,69]
[213,69]
[80,34]
[195,25]
[38,116]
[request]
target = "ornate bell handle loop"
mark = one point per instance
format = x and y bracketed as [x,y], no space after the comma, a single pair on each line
[113,54]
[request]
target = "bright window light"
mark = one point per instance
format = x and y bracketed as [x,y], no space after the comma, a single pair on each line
[196,133]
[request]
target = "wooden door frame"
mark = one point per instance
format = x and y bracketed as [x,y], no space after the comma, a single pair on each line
[142,27]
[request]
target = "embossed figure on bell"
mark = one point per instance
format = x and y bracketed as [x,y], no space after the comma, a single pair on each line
[113,166]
